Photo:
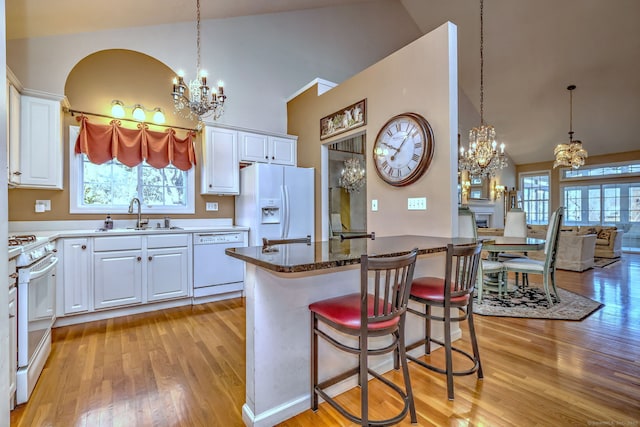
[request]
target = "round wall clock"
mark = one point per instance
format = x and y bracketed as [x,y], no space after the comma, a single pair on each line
[403,149]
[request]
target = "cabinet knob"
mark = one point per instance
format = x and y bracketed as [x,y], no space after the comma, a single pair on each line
[54,250]
[139,258]
[266,157]
[273,157]
[17,173]
[13,276]
[83,247]
[150,258]
[210,185]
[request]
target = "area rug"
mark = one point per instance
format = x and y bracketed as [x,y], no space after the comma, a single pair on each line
[604,262]
[532,303]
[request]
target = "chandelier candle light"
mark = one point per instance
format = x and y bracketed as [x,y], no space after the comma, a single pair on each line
[482,158]
[197,100]
[571,154]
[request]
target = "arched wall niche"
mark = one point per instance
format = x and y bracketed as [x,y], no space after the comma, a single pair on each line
[126,75]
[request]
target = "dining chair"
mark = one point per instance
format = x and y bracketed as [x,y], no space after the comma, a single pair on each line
[467,228]
[515,225]
[451,293]
[547,267]
[378,310]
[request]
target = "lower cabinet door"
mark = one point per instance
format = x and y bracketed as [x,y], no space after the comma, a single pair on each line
[117,278]
[167,273]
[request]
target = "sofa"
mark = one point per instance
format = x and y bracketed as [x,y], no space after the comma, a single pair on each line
[608,239]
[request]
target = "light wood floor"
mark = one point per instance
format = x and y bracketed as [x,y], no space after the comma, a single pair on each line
[185,367]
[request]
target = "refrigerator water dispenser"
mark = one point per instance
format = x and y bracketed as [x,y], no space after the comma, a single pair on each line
[270,212]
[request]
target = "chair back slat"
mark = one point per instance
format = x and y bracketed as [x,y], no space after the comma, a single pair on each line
[461,270]
[388,281]
[553,235]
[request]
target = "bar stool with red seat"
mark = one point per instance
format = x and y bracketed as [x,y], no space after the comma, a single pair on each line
[379,309]
[454,292]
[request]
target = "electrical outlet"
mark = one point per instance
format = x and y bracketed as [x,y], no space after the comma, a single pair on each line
[417,203]
[374,205]
[212,206]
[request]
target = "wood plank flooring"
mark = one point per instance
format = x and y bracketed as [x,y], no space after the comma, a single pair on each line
[185,367]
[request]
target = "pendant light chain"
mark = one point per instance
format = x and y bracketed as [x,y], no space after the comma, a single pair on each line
[482,62]
[198,37]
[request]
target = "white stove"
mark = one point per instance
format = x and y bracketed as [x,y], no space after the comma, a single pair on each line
[36,267]
[30,249]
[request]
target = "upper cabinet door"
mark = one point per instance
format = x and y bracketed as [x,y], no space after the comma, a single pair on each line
[220,166]
[40,143]
[13,142]
[282,151]
[261,148]
[254,147]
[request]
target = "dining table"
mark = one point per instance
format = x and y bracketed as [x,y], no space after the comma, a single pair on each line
[495,245]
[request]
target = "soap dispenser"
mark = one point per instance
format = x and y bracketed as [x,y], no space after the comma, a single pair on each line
[108,222]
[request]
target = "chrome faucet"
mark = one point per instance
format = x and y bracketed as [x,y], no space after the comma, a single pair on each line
[139,221]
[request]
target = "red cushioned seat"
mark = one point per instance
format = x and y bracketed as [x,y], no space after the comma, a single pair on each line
[345,311]
[432,289]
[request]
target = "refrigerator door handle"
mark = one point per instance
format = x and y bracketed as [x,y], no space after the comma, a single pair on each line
[287,212]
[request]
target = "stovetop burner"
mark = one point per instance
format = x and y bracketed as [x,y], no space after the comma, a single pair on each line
[21,240]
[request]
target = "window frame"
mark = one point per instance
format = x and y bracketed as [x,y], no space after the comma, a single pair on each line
[521,178]
[75,165]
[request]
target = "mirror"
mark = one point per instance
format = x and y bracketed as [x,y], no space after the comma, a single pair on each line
[347,209]
[477,188]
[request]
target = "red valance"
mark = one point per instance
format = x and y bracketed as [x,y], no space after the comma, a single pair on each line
[102,143]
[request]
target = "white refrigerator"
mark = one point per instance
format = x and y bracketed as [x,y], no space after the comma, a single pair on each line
[276,202]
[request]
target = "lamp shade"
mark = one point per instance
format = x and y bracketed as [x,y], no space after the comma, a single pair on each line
[117,109]
[138,113]
[158,116]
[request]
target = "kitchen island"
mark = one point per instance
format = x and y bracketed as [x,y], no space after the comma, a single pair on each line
[280,283]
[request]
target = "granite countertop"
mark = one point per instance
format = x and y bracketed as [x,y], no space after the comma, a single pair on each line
[301,257]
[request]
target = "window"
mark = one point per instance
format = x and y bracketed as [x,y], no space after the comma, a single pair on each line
[109,187]
[602,204]
[535,196]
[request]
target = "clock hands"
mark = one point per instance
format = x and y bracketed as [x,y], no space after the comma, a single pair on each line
[393,156]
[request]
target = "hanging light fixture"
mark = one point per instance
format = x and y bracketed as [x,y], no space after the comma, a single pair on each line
[482,157]
[352,176]
[196,100]
[571,154]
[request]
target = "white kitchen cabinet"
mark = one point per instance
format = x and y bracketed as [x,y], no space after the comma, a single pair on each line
[13,136]
[117,278]
[141,269]
[76,275]
[256,147]
[117,271]
[40,143]
[220,167]
[168,266]
[167,273]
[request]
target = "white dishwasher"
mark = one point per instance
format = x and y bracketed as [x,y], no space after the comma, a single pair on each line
[215,274]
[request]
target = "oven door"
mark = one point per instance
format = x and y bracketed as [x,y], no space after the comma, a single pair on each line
[36,306]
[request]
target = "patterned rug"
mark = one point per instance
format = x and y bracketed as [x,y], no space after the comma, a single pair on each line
[532,303]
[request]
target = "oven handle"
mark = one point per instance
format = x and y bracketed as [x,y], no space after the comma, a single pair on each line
[39,273]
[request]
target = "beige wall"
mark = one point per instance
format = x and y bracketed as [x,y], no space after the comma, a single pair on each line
[93,83]
[421,78]
[555,173]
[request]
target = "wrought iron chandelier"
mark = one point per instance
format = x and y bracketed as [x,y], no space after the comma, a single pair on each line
[352,177]
[482,157]
[197,100]
[571,154]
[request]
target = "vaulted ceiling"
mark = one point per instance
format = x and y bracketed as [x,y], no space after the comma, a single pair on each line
[533,49]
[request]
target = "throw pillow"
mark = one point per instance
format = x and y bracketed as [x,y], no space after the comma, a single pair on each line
[604,234]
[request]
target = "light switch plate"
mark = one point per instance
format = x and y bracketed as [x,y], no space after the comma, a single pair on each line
[374,205]
[45,203]
[417,203]
[212,206]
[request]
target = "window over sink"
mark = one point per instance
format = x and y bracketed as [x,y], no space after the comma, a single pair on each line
[109,187]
